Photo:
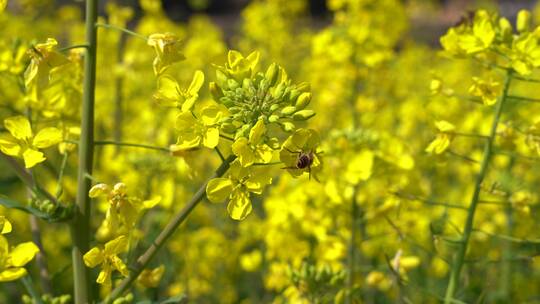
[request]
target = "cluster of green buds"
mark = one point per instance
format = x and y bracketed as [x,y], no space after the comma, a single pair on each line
[251,95]
[262,109]
[49,210]
[317,282]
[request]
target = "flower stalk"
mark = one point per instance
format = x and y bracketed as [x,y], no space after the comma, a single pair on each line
[459,257]
[80,226]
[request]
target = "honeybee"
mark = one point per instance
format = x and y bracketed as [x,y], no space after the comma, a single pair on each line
[303,160]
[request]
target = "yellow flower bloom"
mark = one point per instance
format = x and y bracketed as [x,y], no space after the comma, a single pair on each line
[443,139]
[299,152]
[488,90]
[253,149]
[525,53]
[151,278]
[167,47]
[12,261]
[170,94]
[23,144]
[108,258]
[123,210]
[195,133]
[237,188]
[44,57]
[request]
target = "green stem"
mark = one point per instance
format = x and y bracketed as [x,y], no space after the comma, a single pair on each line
[29,286]
[521,98]
[121,29]
[80,226]
[165,234]
[77,46]
[459,257]
[125,144]
[508,248]
[118,93]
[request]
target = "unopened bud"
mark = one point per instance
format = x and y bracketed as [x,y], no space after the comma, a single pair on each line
[303,100]
[216,91]
[523,22]
[303,115]
[272,74]
[288,110]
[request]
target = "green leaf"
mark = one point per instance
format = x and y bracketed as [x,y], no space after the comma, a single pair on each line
[8,203]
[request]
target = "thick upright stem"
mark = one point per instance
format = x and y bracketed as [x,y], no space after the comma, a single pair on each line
[459,257]
[118,88]
[80,226]
[165,234]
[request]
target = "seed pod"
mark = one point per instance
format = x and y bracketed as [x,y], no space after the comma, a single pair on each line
[272,74]
[303,100]
[303,115]
[288,110]
[216,91]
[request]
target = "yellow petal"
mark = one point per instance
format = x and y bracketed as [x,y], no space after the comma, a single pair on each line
[32,157]
[256,133]
[99,189]
[12,274]
[116,246]
[239,206]
[9,145]
[5,225]
[47,137]
[243,151]
[19,127]
[211,138]
[168,91]
[210,115]
[93,257]
[218,189]
[196,83]
[23,254]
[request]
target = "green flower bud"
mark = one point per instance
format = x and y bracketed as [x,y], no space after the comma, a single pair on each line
[287,126]
[274,107]
[247,84]
[278,91]
[216,91]
[288,110]
[303,115]
[273,118]
[228,128]
[49,208]
[523,23]
[303,100]
[272,74]
[221,78]
[232,84]
[303,87]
